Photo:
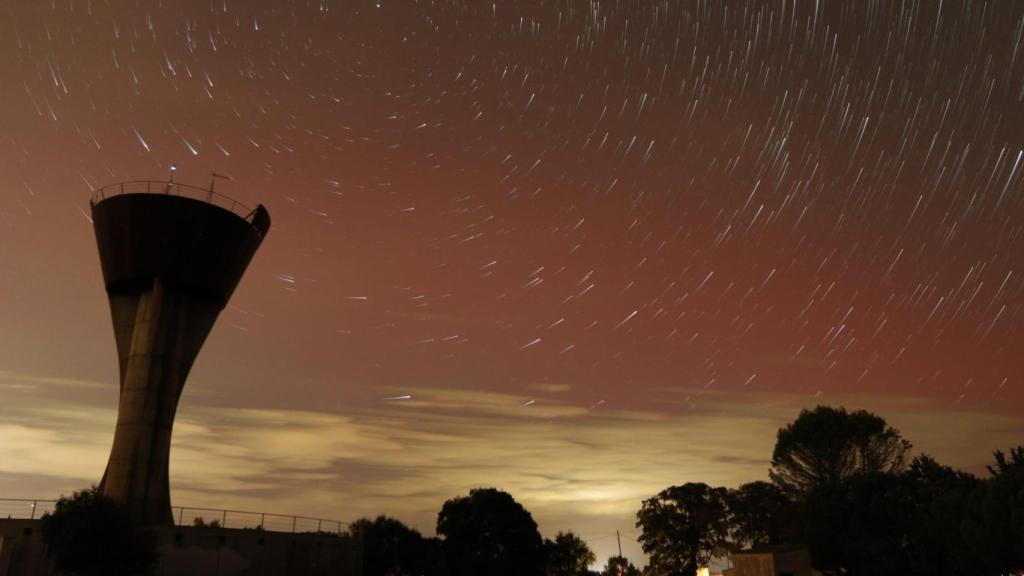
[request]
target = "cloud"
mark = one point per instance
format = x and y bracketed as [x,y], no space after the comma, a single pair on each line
[573,468]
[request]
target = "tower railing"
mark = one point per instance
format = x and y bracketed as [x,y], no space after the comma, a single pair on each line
[173,189]
[17,508]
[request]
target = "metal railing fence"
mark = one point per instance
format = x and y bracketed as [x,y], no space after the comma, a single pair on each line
[25,509]
[174,189]
[191,516]
[19,508]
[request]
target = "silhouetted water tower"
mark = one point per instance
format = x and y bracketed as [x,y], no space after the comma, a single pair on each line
[171,255]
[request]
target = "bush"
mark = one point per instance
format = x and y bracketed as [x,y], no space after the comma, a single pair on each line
[89,534]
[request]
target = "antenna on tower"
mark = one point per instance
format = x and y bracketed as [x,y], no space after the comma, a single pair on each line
[170,178]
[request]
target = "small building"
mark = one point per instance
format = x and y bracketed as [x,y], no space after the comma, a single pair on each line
[788,560]
[22,551]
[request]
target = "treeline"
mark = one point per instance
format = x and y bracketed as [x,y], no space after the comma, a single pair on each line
[842,483]
[486,532]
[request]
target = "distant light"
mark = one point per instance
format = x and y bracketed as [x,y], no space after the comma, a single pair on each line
[174,167]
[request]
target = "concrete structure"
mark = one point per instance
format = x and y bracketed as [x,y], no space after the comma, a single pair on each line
[229,552]
[22,550]
[171,256]
[772,561]
[186,551]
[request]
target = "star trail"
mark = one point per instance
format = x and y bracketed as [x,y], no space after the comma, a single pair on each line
[584,223]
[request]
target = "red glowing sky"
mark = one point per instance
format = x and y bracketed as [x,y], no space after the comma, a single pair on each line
[604,247]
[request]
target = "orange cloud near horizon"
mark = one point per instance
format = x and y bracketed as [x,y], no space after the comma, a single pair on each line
[574,468]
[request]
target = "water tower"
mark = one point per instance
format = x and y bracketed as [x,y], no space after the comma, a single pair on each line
[171,256]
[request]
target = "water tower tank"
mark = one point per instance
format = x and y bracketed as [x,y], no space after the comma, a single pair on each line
[171,256]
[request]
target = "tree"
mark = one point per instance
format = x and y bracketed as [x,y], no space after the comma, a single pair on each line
[941,500]
[683,527]
[89,534]
[1006,464]
[758,513]
[929,520]
[858,525]
[567,555]
[995,523]
[620,566]
[828,445]
[390,548]
[488,532]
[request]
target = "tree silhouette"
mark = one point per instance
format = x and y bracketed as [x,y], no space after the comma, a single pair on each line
[995,526]
[488,532]
[91,535]
[390,548]
[828,445]
[859,525]
[567,555]
[941,500]
[620,566]
[759,514]
[1006,463]
[683,527]
[854,501]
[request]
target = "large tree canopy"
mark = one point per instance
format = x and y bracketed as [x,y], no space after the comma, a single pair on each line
[759,513]
[488,532]
[828,445]
[996,527]
[390,548]
[682,527]
[940,500]
[859,525]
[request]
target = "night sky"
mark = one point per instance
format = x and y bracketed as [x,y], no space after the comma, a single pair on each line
[580,251]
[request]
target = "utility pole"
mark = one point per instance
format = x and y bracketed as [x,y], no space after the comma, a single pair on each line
[619,540]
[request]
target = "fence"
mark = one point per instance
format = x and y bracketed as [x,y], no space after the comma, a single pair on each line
[174,189]
[188,516]
[191,516]
[30,509]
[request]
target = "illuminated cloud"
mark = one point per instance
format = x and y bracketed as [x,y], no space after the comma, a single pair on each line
[573,468]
